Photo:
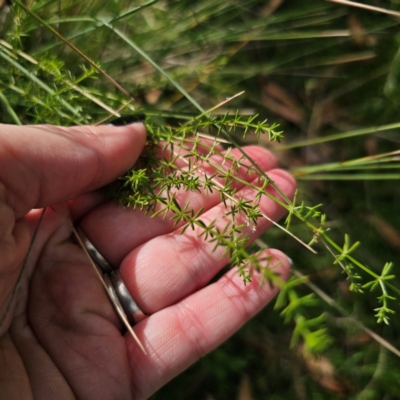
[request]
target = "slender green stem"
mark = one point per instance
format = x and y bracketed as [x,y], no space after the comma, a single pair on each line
[339,136]
[9,109]
[348,177]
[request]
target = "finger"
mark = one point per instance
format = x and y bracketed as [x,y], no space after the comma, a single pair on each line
[42,165]
[84,204]
[169,267]
[179,335]
[117,230]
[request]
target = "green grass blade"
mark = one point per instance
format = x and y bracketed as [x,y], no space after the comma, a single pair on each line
[340,136]
[9,109]
[348,177]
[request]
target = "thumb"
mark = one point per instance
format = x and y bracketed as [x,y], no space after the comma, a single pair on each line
[42,165]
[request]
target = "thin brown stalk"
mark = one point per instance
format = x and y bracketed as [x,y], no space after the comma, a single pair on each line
[115,113]
[366,7]
[73,47]
[117,307]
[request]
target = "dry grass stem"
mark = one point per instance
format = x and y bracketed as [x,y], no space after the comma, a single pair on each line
[366,7]
[117,307]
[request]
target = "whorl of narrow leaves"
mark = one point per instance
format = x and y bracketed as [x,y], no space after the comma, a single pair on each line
[380,282]
[153,183]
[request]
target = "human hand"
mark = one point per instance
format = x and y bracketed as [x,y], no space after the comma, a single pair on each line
[60,337]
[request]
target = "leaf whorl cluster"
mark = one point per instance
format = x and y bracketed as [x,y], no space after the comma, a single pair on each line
[152,184]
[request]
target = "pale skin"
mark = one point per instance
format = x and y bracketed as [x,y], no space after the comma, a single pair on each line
[60,337]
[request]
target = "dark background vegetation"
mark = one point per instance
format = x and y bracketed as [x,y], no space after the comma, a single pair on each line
[317,68]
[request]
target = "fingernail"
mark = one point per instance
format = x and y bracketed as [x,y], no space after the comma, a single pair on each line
[127,119]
